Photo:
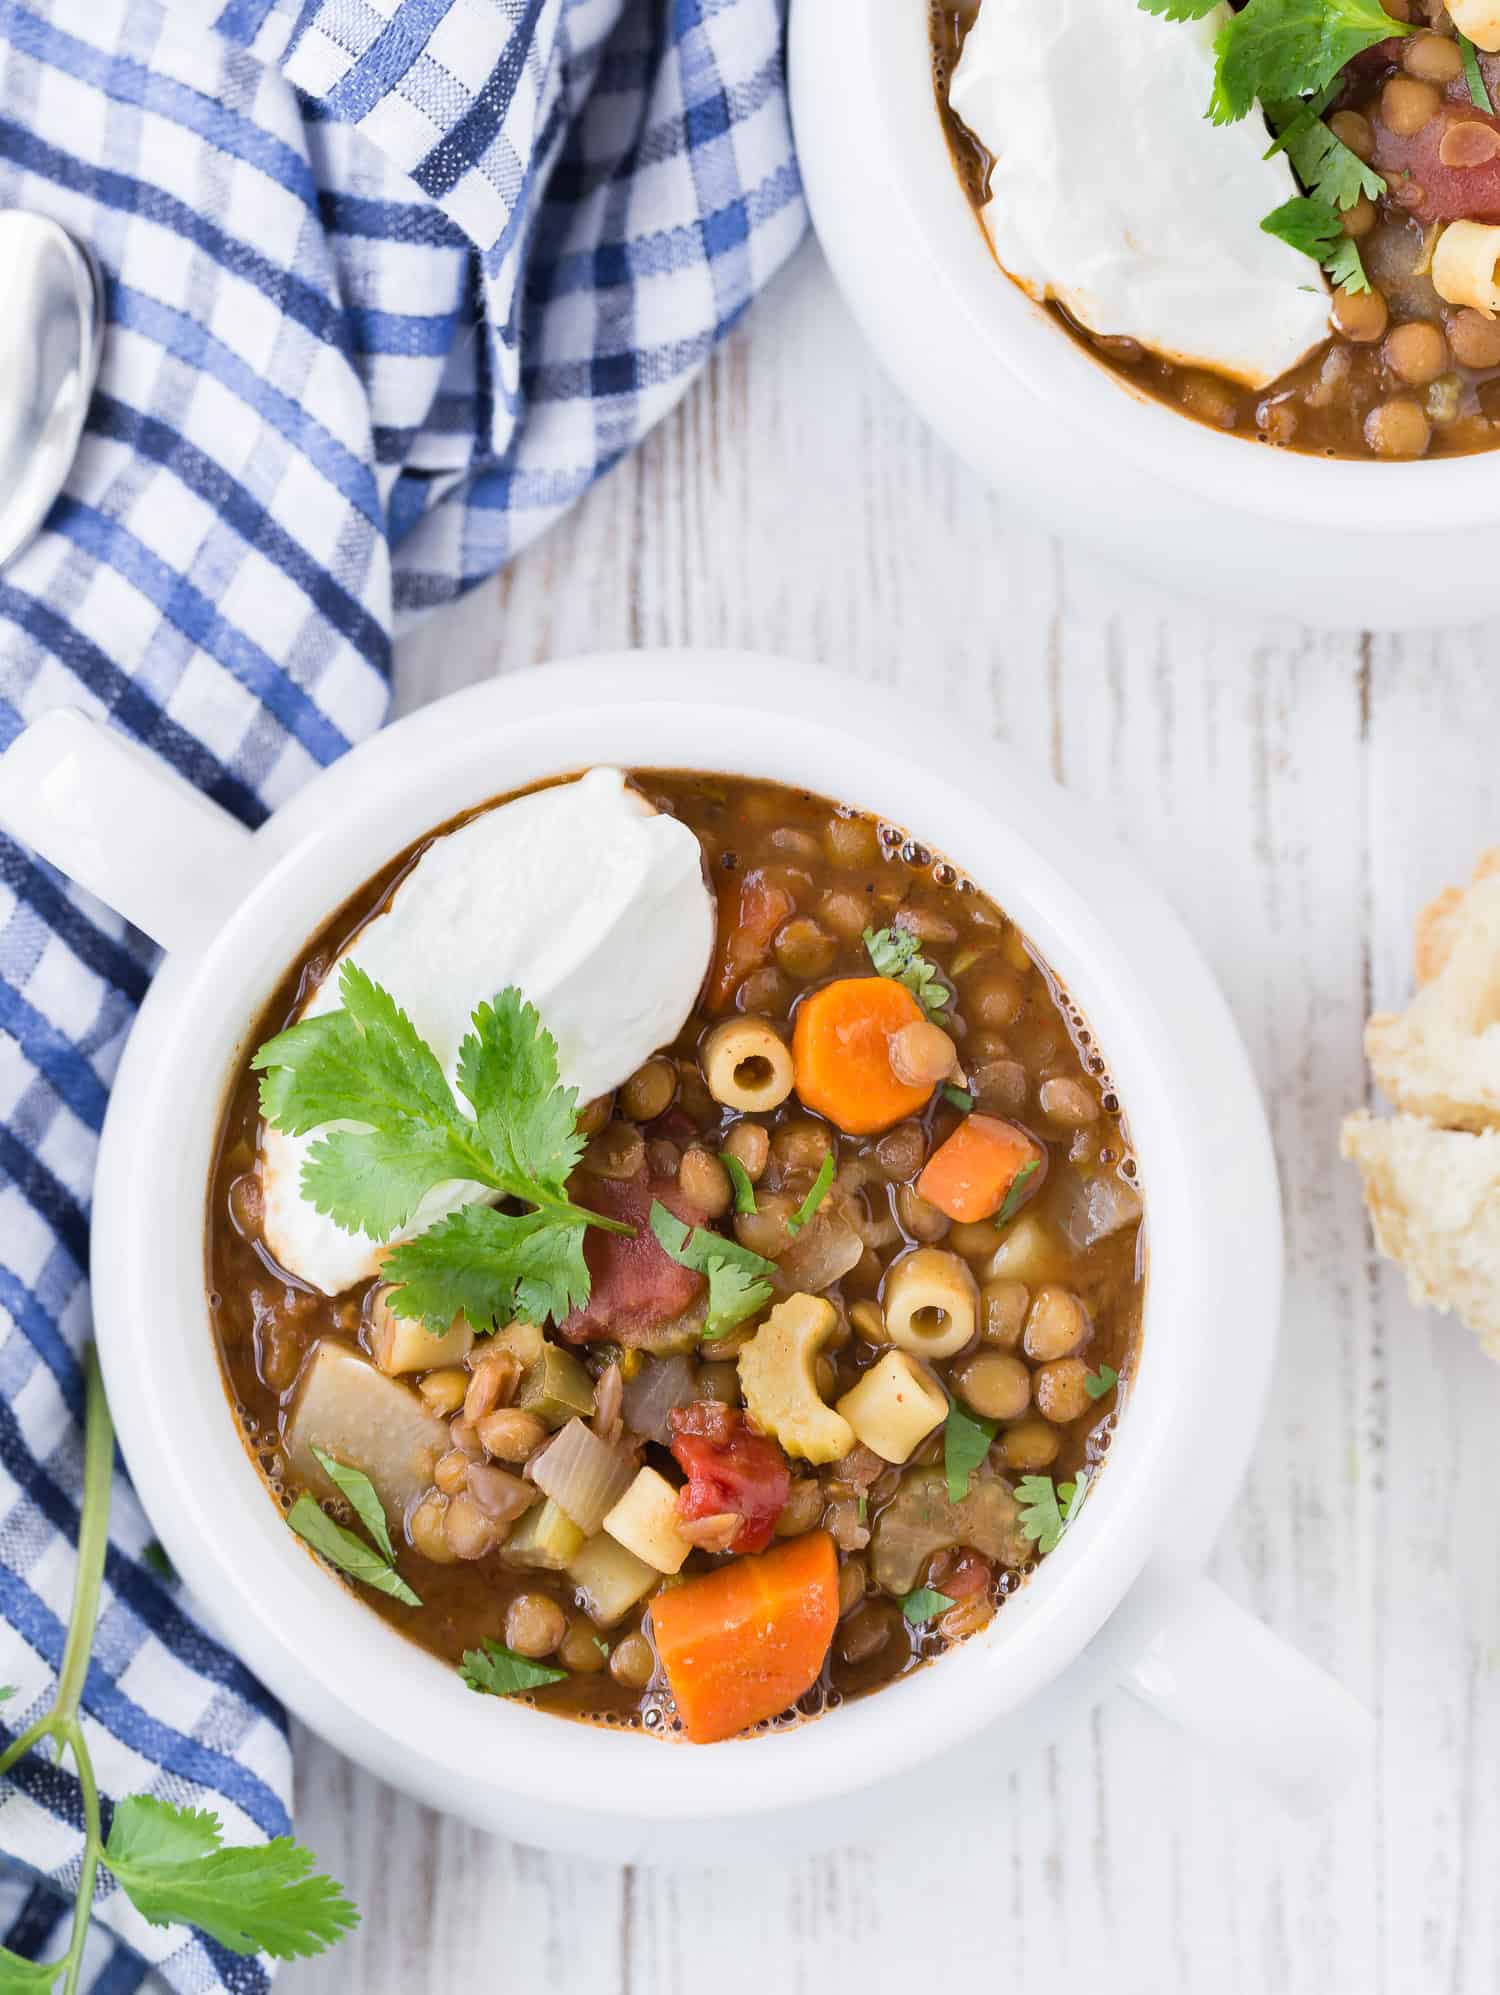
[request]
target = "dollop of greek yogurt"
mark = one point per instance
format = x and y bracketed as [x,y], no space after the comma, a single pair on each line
[1113,194]
[584,897]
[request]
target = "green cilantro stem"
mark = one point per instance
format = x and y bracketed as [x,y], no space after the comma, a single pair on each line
[62,1722]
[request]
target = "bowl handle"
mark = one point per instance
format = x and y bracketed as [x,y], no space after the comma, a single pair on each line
[125,826]
[1225,1679]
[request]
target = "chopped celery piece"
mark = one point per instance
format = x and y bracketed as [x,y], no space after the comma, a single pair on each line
[556,1388]
[545,1540]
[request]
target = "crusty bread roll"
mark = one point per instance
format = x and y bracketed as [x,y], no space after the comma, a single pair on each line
[1434,1199]
[1432,1171]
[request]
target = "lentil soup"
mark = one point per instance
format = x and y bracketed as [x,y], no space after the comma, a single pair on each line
[1411,364]
[856,1366]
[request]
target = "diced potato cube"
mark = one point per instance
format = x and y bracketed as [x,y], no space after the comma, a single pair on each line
[402,1344]
[610,1580]
[1030,1252]
[644,1521]
[895,1406]
[545,1540]
[356,1414]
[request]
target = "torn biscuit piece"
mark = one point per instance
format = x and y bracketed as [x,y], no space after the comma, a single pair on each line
[1440,1058]
[1434,1200]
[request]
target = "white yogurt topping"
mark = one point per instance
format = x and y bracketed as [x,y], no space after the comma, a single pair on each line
[589,901]
[1113,194]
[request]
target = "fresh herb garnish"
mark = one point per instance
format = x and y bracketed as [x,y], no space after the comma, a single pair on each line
[155,1560]
[358,1492]
[1017,1192]
[862,1510]
[1479,95]
[924,1604]
[1314,228]
[739,1177]
[367,1064]
[1047,1509]
[601,1645]
[1178,10]
[1096,1384]
[7,1692]
[966,1442]
[1327,168]
[737,1284]
[962,1101]
[894,953]
[169,1861]
[500,1672]
[262,1899]
[343,1549]
[1273,50]
[815,1196]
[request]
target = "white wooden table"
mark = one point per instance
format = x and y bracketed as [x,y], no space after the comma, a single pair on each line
[1298,797]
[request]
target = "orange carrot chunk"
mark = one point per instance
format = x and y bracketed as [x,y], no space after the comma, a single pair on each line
[751,909]
[971,1175]
[742,1643]
[841,1054]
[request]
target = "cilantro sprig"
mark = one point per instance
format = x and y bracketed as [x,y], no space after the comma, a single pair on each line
[170,1862]
[739,1177]
[815,1197]
[1479,95]
[345,1549]
[924,1604]
[1097,1384]
[966,1442]
[894,953]
[737,1278]
[367,1064]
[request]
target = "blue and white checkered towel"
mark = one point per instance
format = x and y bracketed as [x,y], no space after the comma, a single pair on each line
[390,283]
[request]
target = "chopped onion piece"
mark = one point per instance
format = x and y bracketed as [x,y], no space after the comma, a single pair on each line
[819,1257]
[1093,1208]
[584,1476]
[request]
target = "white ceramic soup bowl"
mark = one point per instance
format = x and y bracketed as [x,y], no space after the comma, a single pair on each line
[235,910]
[1270,531]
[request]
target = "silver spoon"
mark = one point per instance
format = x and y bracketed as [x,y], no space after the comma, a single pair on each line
[51,333]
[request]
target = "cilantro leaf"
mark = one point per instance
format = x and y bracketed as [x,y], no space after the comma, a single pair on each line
[1314,228]
[1017,1192]
[492,1266]
[507,1069]
[173,1866]
[739,1177]
[1479,95]
[358,1492]
[18,1976]
[815,1196]
[1047,1509]
[924,1604]
[500,1672]
[342,1549]
[1275,49]
[7,1692]
[1041,1519]
[1323,163]
[1096,1384]
[966,1442]
[960,1099]
[894,953]
[1178,10]
[737,1284]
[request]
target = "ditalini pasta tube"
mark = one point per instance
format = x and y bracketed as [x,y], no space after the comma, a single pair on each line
[1465,261]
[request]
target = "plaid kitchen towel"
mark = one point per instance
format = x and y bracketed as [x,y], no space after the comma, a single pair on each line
[390,283]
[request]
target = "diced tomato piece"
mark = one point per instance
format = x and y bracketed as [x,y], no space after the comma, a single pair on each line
[751,909]
[635,1286]
[1421,183]
[729,1468]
